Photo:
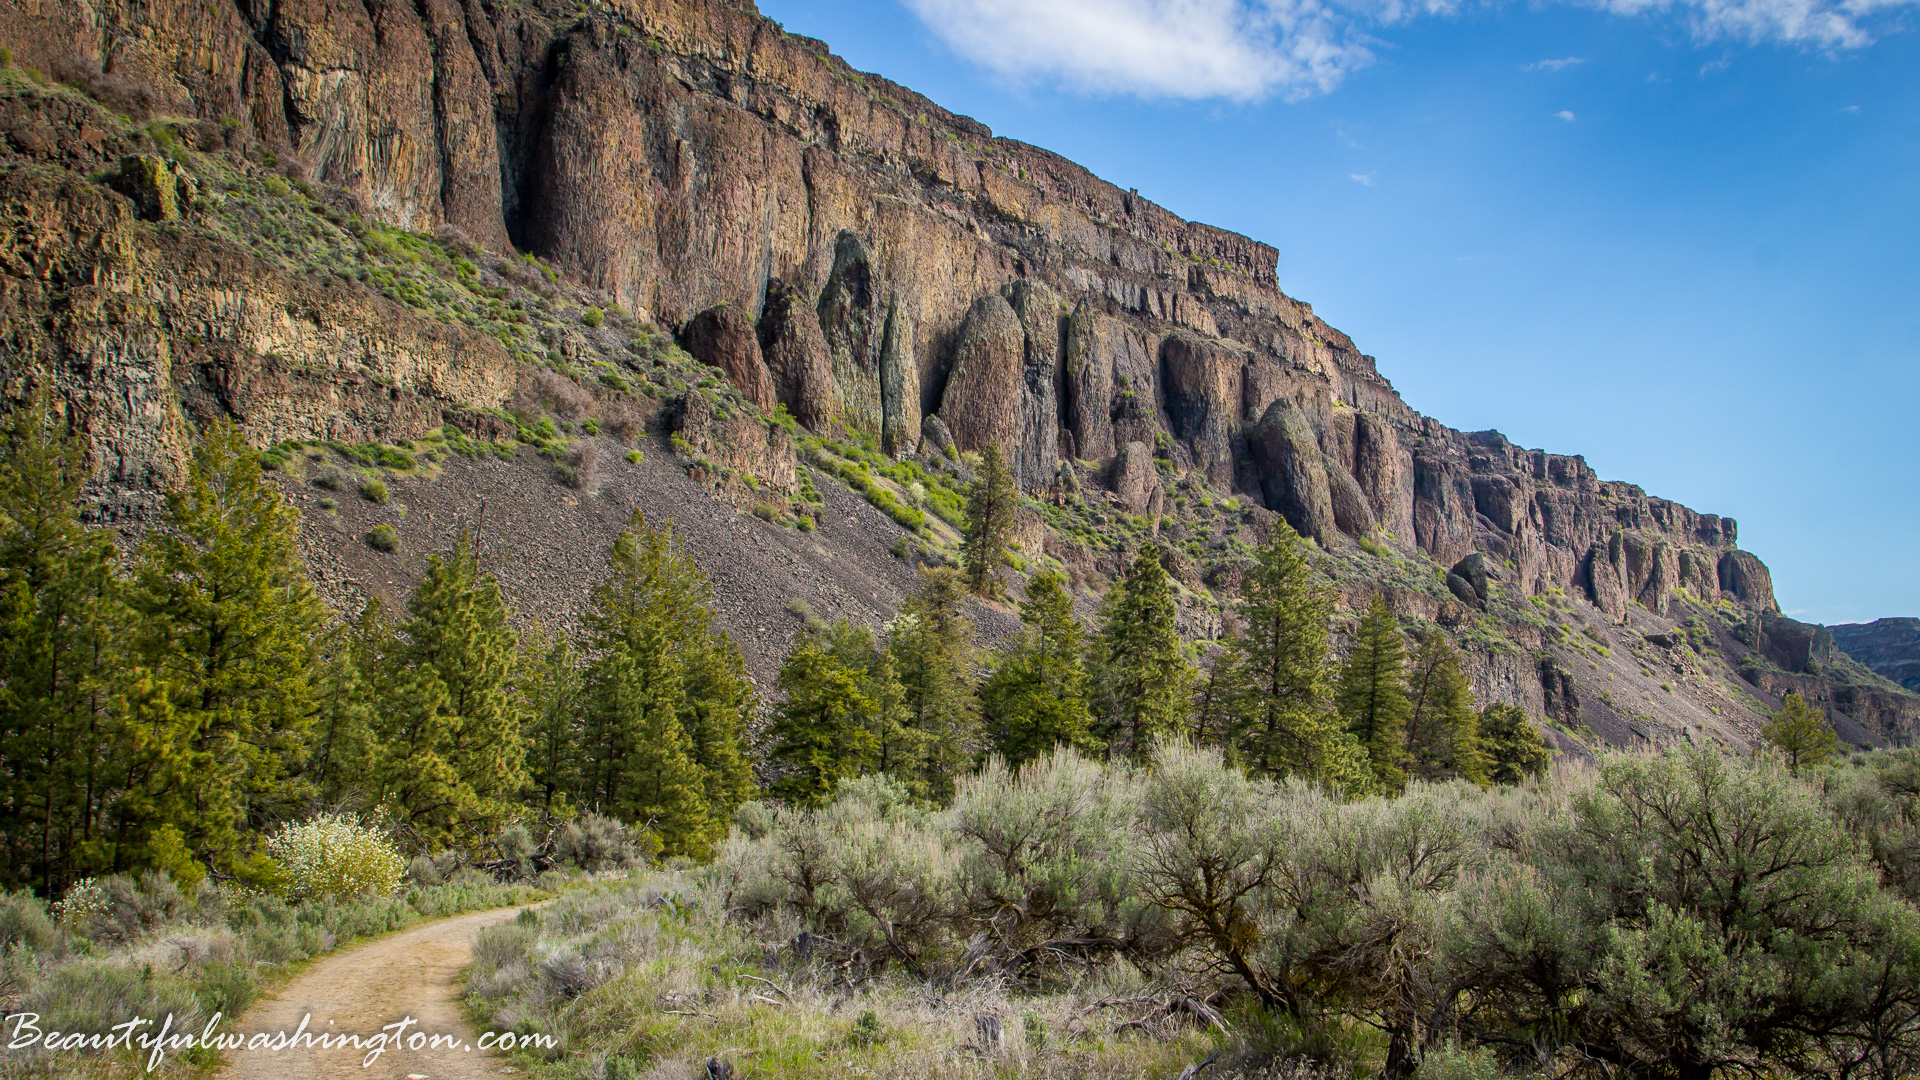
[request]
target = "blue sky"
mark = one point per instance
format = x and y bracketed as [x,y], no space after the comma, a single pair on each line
[1682,238]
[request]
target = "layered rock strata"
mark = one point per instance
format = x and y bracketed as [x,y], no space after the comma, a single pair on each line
[894,261]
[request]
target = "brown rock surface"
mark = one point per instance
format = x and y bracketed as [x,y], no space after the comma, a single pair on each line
[725,338]
[681,154]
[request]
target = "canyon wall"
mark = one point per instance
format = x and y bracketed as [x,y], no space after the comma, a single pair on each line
[838,245]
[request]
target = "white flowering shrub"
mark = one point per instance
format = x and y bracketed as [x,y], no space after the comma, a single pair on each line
[85,899]
[335,857]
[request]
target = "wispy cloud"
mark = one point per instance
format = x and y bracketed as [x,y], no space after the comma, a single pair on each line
[1250,50]
[1564,114]
[1363,179]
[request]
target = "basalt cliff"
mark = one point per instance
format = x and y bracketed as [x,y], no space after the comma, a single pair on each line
[607,190]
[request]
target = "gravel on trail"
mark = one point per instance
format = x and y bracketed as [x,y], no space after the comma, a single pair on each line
[414,973]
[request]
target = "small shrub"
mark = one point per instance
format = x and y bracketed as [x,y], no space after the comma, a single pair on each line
[24,922]
[276,187]
[765,512]
[580,468]
[636,457]
[596,843]
[374,490]
[594,317]
[335,857]
[331,506]
[84,899]
[866,1031]
[804,523]
[383,538]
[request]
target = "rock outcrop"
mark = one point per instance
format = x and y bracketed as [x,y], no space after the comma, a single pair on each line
[1890,647]
[896,261]
[144,332]
[724,338]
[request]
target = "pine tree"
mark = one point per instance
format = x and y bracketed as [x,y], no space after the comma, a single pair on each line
[639,759]
[1443,732]
[60,664]
[551,683]
[900,748]
[991,505]
[816,735]
[228,623]
[1274,676]
[1143,673]
[452,758]
[931,646]
[1036,698]
[344,753]
[1801,734]
[1372,695]
[654,647]
[1515,751]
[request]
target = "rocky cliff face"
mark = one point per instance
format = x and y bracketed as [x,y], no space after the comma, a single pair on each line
[895,260]
[1891,647]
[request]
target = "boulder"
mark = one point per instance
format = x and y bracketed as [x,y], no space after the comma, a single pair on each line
[982,402]
[795,353]
[1473,571]
[723,337]
[1293,474]
[933,432]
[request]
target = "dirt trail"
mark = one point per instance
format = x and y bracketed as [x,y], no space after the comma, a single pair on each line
[360,990]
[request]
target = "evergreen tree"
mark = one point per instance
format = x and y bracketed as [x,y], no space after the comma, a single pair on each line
[991,505]
[60,611]
[452,756]
[1275,693]
[551,683]
[1801,734]
[931,647]
[816,735]
[228,624]
[639,759]
[1143,673]
[345,756]
[1443,733]
[1515,751]
[900,748]
[654,647]
[1372,695]
[1036,698]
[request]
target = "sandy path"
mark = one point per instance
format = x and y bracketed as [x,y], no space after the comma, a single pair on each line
[360,990]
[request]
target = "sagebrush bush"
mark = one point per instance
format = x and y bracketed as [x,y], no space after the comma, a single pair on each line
[335,857]
[596,844]
[24,922]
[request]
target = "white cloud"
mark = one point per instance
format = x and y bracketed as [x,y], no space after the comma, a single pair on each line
[1363,179]
[1250,50]
[1564,114]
